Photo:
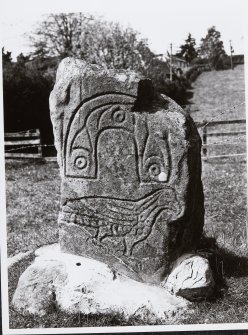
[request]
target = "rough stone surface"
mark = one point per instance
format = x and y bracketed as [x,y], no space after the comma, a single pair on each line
[131,171]
[191,278]
[77,284]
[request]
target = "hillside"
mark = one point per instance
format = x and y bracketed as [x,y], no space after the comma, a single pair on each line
[219,95]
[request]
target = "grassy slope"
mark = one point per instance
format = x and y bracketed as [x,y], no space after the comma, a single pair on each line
[33,191]
[224,182]
[216,93]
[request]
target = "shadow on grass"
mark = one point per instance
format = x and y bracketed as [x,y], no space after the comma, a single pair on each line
[224,263]
[233,265]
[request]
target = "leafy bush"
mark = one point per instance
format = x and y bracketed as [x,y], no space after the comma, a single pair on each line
[193,73]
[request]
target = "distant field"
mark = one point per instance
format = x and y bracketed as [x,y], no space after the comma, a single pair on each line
[219,95]
[33,205]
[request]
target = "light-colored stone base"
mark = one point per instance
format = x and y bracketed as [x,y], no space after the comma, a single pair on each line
[76,284]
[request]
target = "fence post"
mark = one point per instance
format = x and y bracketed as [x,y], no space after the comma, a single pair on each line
[39,146]
[204,138]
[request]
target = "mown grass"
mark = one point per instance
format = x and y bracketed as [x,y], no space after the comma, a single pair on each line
[33,204]
[32,196]
[225,221]
[219,95]
[224,180]
[225,203]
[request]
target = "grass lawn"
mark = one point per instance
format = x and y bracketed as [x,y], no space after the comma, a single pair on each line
[33,205]
[219,95]
[33,197]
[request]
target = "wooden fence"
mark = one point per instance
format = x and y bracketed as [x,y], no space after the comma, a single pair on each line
[19,145]
[204,130]
[16,144]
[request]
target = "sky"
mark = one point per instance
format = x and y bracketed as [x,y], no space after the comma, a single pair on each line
[160,21]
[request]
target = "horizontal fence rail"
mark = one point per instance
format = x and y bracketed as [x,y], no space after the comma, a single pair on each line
[16,144]
[205,126]
[214,123]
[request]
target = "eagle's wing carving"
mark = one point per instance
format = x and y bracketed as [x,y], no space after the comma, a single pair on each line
[132,221]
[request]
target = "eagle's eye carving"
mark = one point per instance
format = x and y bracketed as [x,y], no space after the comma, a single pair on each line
[81,162]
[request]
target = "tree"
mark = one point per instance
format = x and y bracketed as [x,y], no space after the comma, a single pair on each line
[21,59]
[212,48]
[188,50]
[91,39]
[58,34]
[6,57]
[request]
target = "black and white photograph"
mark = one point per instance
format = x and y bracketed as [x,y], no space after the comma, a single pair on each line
[123,166]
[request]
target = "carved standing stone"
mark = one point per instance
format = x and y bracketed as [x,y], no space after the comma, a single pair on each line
[131,171]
